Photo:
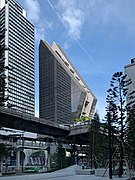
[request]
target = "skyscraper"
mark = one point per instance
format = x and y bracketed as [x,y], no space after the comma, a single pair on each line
[18,38]
[130,72]
[63,94]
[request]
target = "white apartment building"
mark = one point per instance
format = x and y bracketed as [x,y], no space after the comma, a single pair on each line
[19,57]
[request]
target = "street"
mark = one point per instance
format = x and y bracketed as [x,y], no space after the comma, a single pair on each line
[63,174]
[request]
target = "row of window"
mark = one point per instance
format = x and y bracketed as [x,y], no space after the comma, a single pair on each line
[21,36]
[23,79]
[15,81]
[23,60]
[22,31]
[12,7]
[15,67]
[21,103]
[22,63]
[16,85]
[21,109]
[24,102]
[14,95]
[22,92]
[20,47]
[20,95]
[16,24]
[21,17]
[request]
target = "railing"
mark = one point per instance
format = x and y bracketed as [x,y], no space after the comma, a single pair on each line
[7,142]
[33,144]
[81,123]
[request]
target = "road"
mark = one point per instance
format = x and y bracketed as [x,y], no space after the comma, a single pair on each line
[64,174]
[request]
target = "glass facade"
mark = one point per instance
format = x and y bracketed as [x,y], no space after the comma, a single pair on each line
[63,95]
[46,85]
[83,100]
[75,96]
[54,88]
[19,38]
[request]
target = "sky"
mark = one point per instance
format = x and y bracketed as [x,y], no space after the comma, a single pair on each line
[98,36]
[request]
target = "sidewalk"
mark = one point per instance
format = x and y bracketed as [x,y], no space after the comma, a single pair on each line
[63,174]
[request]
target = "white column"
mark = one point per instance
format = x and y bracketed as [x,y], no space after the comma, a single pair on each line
[18,159]
[1,166]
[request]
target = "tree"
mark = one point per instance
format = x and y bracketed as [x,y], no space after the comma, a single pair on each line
[5,151]
[116,109]
[130,135]
[97,142]
[60,156]
[94,142]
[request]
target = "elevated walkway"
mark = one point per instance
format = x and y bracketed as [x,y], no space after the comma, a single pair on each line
[12,119]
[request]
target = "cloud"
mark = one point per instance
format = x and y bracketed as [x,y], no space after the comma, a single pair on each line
[72,17]
[109,16]
[33,10]
[40,29]
[34,15]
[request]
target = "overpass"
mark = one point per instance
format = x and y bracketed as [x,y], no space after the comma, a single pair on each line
[15,120]
[80,133]
[12,119]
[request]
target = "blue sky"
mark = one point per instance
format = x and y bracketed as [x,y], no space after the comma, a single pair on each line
[98,36]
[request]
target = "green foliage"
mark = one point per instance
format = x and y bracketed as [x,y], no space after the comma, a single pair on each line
[98,141]
[130,135]
[82,119]
[116,111]
[72,152]
[5,151]
[59,157]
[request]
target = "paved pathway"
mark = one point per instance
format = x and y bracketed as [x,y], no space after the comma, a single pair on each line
[63,174]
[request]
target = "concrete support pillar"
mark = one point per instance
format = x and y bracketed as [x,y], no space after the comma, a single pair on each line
[48,158]
[18,160]
[1,167]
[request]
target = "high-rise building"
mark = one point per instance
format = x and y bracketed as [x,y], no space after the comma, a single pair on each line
[18,58]
[130,72]
[63,94]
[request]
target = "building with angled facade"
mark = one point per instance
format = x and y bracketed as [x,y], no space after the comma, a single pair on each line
[130,72]
[63,94]
[18,58]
